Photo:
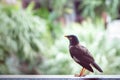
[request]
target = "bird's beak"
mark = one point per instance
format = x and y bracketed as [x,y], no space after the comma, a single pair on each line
[66,36]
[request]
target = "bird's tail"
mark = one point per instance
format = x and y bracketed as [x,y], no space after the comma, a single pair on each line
[96,66]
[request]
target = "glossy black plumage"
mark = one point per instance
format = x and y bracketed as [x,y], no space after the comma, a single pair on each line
[81,55]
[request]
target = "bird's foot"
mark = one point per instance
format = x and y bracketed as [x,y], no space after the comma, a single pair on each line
[78,75]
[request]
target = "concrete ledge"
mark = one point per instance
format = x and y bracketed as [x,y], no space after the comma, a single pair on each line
[59,77]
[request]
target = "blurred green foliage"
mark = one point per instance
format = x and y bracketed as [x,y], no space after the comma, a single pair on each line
[33,43]
[21,37]
[95,8]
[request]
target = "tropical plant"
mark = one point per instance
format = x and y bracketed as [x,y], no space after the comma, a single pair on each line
[21,40]
[96,7]
[34,44]
[94,38]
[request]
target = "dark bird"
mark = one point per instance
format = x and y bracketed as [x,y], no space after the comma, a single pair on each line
[81,55]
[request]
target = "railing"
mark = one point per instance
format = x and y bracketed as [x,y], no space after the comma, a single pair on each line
[59,77]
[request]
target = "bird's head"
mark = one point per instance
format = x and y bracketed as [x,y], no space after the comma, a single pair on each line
[73,39]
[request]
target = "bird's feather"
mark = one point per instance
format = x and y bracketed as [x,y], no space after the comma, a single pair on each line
[81,53]
[96,66]
[87,66]
[83,57]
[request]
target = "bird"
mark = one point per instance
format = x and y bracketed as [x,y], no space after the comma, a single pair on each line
[81,55]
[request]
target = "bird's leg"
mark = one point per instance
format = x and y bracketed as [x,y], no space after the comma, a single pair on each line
[82,72]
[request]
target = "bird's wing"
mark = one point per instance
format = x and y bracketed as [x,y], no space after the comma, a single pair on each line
[82,56]
[81,53]
[86,53]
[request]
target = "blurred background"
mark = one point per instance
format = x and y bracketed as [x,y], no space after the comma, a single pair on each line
[32,35]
